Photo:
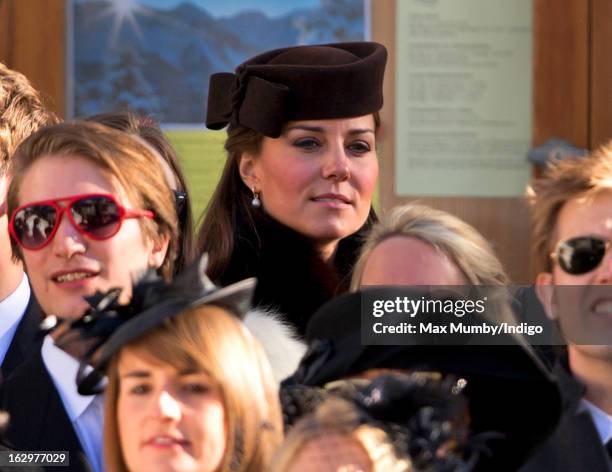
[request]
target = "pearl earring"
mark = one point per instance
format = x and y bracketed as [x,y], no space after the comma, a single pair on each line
[256,202]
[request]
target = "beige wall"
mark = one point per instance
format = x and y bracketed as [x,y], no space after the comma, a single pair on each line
[572,97]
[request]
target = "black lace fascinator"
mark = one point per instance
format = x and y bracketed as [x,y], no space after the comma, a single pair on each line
[426,418]
[107,325]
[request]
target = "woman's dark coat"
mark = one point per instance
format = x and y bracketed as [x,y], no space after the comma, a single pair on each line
[292,278]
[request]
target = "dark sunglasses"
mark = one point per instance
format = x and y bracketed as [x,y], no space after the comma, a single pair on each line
[97,216]
[581,254]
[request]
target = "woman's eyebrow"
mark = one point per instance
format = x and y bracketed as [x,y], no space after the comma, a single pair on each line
[137,374]
[191,371]
[360,131]
[314,129]
[318,129]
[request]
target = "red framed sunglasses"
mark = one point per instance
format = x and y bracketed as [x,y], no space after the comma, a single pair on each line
[97,216]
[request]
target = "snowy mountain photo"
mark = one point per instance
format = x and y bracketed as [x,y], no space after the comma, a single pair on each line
[155,56]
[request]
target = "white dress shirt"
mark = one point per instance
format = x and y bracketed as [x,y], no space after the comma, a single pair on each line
[85,412]
[12,309]
[602,420]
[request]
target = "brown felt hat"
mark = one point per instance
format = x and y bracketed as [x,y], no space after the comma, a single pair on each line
[340,80]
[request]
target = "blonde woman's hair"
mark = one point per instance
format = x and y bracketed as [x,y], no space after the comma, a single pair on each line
[459,241]
[338,416]
[213,341]
[564,180]
[21,112]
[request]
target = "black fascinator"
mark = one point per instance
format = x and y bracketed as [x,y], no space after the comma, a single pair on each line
[107,325]
[426,418]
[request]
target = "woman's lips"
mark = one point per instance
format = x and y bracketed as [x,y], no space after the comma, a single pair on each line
[333,200]
[164,442]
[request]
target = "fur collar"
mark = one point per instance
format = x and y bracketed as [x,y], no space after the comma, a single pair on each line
[279,341]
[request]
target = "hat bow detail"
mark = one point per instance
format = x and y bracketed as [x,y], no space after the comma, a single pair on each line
[246,100]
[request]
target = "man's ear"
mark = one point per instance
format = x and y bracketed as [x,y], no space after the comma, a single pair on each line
[158,251]
[249,171]
[544,290]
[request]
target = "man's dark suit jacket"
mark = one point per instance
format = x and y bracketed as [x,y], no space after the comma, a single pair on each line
[576,444]
[26,341]
[38,419]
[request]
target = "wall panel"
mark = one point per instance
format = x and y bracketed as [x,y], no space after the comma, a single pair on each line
[601,73]
[33,42]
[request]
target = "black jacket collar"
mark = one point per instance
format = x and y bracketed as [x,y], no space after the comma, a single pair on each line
[292,278]
[572,390]
[27,339]
[576,444]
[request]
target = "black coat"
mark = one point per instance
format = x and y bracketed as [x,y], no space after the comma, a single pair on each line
[292,278]
[27,341]
[38,419]
[528,309]
[576,444]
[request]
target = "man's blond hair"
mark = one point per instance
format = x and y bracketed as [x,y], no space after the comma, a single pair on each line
[564,180]
[21,112]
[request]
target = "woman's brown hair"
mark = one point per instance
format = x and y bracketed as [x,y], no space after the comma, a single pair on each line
[213,341]
[122,157]
[231,201]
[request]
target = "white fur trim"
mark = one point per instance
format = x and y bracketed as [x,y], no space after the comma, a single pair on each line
[279,340]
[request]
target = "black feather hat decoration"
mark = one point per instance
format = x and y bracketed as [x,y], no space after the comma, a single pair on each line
[425,416]
[107,325]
